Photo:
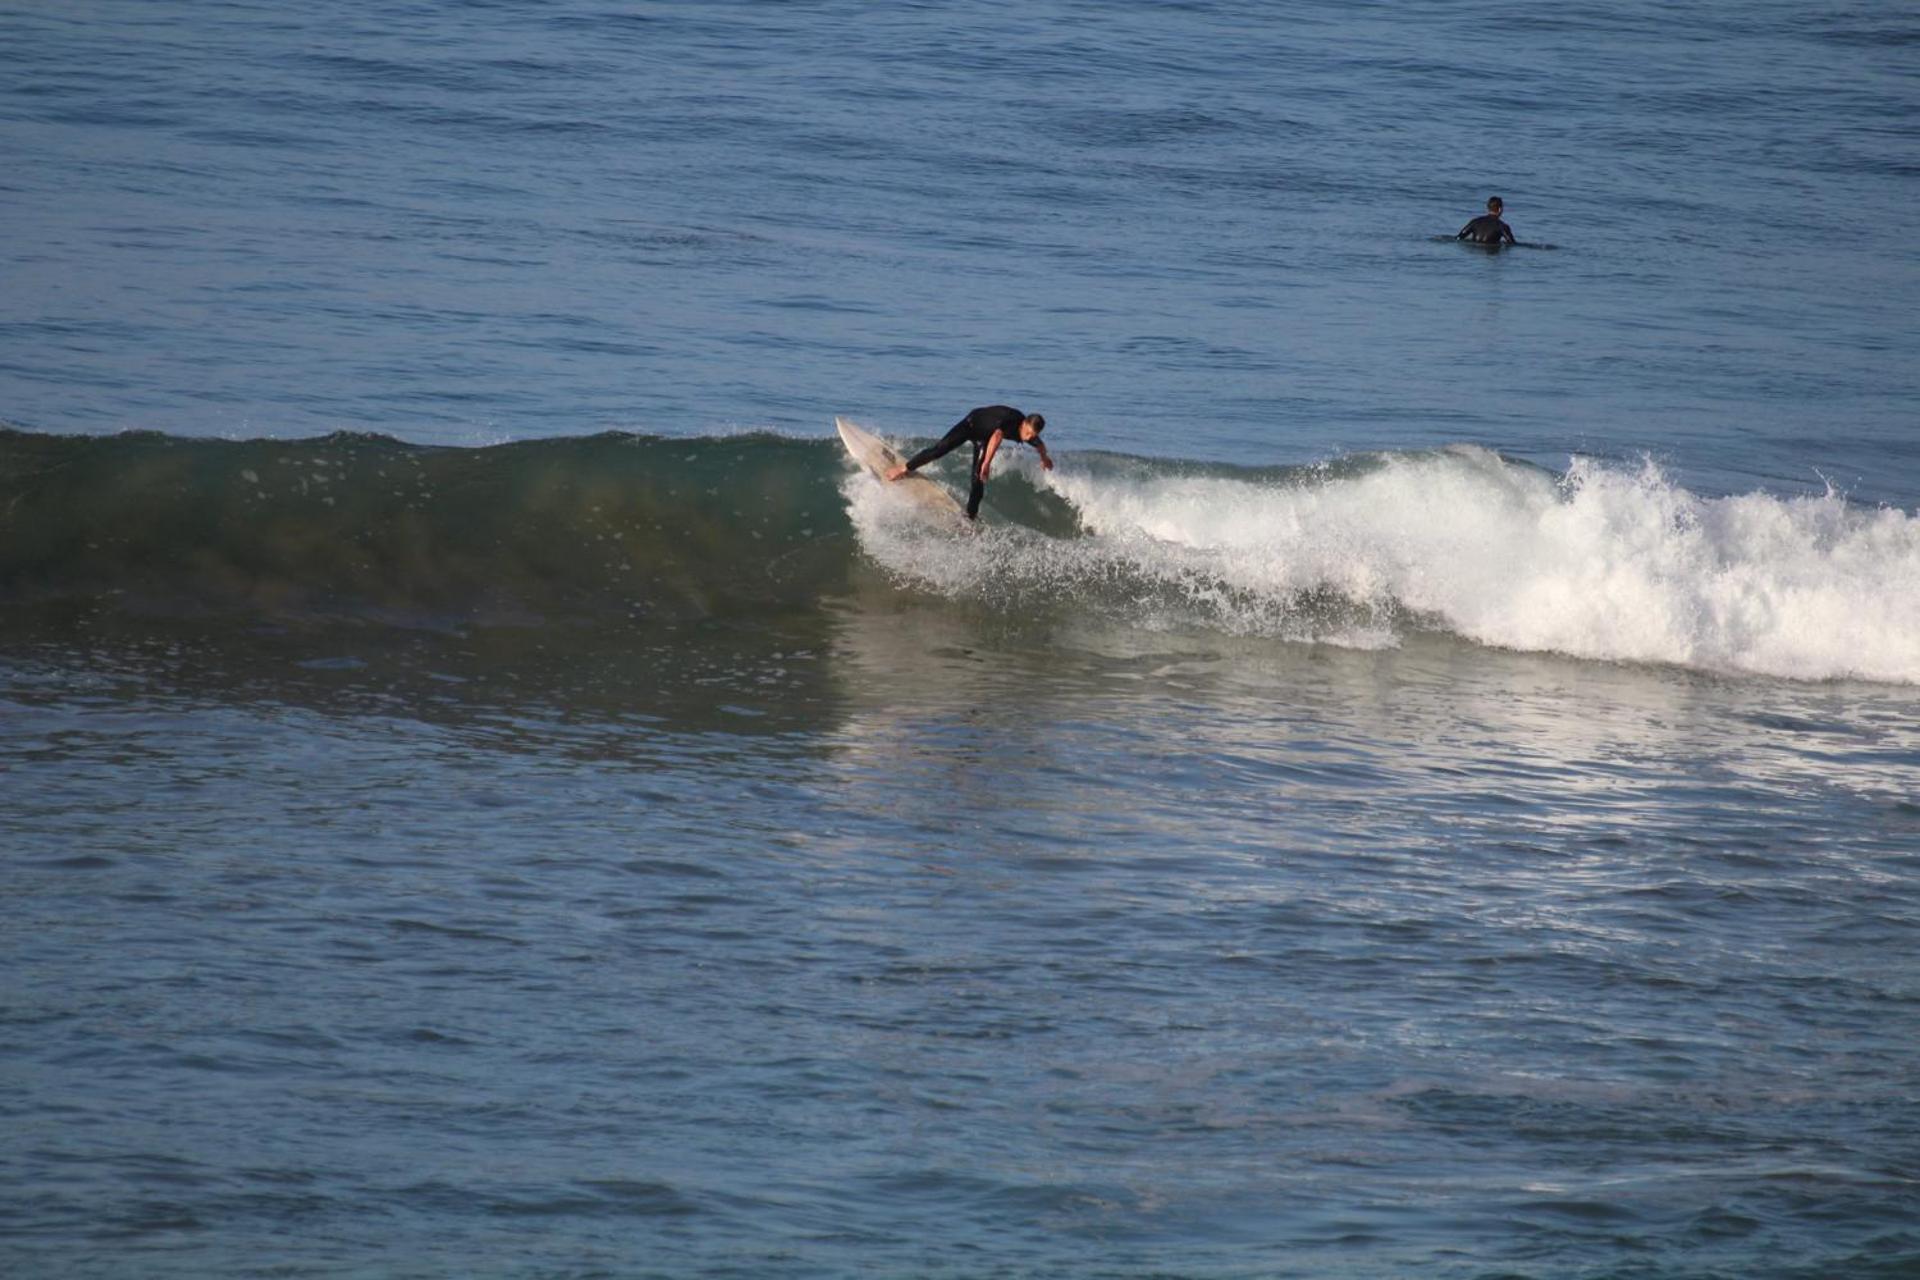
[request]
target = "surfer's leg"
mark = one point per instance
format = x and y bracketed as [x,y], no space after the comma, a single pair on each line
[979,485]
[940,448]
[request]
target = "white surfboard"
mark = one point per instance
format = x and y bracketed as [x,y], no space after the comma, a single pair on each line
[873,453]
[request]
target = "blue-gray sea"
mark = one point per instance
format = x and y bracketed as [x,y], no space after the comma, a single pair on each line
[1428,786]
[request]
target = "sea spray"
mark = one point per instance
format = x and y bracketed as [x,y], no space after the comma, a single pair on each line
[1605,562]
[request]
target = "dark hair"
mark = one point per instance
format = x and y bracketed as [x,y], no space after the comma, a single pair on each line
[1039,423]
[1496,200]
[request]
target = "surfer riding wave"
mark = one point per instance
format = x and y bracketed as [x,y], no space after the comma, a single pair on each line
[987,427]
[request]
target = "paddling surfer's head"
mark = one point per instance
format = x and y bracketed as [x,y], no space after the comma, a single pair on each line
[1494,205]
[1031,426]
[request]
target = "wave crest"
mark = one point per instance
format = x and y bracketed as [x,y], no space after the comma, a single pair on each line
[1603,562]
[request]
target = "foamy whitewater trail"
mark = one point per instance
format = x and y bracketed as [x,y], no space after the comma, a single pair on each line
[1602,563]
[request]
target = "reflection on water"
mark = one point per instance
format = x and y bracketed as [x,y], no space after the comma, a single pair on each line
[898,933]
[1404,741]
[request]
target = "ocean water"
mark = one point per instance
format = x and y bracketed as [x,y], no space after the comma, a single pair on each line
[1429,785]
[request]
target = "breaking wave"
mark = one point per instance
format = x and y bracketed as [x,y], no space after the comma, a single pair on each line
[1602,562]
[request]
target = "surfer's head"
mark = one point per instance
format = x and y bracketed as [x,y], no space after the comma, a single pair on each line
[1495,204]
[1031,426]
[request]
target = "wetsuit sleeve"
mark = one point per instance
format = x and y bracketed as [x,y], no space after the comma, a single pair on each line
[1506,233]
[1462,233]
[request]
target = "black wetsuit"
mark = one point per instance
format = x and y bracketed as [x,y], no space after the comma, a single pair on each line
[1487,229]
[978,427]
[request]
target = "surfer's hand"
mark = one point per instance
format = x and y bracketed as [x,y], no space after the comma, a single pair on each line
[897,472]
[1046,463]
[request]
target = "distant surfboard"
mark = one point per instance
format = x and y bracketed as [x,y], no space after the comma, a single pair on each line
[1476,244]
[873,453]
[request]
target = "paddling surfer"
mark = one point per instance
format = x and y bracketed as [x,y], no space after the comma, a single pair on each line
[1488,228]
[987,427]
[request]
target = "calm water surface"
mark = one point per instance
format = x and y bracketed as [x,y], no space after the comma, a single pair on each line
[1426,788]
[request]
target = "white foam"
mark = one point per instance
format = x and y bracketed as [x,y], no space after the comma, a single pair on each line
[1607,563]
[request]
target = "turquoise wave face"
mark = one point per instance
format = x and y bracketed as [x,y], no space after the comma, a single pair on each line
[366,526]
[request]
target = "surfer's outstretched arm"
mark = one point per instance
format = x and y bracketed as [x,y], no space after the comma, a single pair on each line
[992,447]
[1046,459]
